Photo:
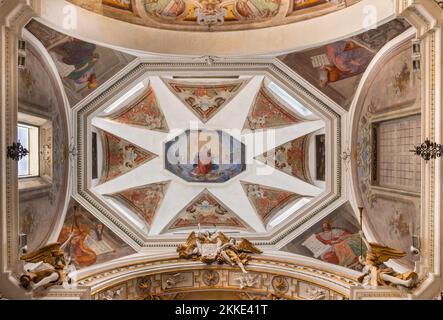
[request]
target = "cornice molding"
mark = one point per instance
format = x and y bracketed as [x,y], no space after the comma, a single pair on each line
[19,16]
[424,15]
[64,293]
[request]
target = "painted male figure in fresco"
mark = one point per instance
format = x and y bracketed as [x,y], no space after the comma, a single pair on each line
[82,57]
[253,9]
[344,246]
[347,59]
[165,8]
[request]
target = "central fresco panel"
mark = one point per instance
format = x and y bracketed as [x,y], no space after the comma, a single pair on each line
[205,156]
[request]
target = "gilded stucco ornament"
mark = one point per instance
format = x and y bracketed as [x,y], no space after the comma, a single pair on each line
[45,267]
[210,247]
[377,274]
[210,277]
[280,284]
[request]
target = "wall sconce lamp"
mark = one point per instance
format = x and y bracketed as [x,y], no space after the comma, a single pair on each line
[428,150]
[16,151]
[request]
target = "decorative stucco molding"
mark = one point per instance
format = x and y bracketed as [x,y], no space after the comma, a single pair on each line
[270,273]
[360,293]
[62,293]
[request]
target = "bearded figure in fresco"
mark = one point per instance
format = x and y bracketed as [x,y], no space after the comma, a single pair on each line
[343,247]
[165,8]
[255,9]
[81,57]
[346,59]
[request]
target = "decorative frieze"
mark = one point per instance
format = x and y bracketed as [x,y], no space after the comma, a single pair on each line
[257,285]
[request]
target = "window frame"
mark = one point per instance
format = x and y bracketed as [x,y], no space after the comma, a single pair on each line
[33,143]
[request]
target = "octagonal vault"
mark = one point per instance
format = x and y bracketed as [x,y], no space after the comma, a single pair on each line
[211,175]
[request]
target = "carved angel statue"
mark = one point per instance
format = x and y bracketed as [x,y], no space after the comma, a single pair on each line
[377,274]
[173,280]
[316,294]
[45,267]
[209,247]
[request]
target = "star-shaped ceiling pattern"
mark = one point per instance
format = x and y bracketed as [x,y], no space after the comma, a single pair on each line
[203,98]
[136,183]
